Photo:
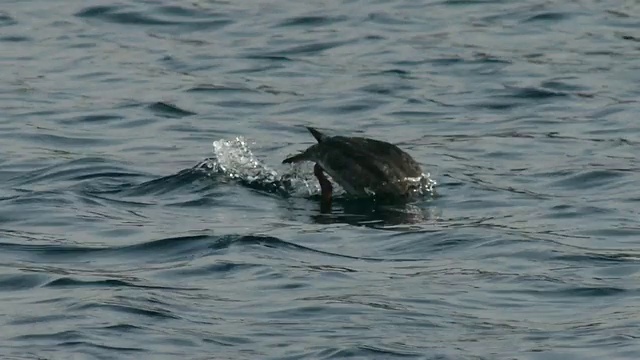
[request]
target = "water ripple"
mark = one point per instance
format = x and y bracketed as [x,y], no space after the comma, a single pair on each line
[118,15]
[125,234]
[310,21]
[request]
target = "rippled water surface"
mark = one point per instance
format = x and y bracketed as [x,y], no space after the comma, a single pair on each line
[145,212]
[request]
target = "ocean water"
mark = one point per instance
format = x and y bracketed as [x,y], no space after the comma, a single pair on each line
[145,212]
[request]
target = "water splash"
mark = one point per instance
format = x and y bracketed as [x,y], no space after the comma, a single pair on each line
[422,185]
[235,161]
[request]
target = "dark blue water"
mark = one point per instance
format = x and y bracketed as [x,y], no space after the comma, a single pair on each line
[125,234]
